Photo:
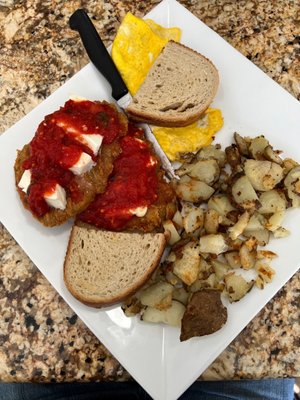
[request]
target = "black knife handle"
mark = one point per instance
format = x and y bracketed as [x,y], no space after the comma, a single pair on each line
[97,52]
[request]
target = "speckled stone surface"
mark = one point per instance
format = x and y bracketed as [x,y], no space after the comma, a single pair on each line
[41,339]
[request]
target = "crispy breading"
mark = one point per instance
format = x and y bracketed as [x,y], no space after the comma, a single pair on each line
[164,208]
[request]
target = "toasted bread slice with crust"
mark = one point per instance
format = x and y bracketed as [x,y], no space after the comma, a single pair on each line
[179,87]
[104,267]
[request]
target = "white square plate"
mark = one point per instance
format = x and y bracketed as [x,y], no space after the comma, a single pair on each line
[252,104]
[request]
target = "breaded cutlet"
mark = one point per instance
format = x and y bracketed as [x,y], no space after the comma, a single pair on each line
[87,184]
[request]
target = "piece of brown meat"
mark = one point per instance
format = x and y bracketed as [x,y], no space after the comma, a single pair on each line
[205,314]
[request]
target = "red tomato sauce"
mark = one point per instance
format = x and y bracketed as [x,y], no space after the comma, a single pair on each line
[54,148]
[133,184]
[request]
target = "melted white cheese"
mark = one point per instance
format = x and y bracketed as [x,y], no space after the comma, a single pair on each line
[139,211]
[83,165]
[92,141]
[25,180]
[57,198]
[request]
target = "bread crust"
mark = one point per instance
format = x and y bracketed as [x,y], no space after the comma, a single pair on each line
[116,297]
[169,119]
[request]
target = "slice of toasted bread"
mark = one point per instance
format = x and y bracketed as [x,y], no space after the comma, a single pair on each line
[179,87]
[103,267]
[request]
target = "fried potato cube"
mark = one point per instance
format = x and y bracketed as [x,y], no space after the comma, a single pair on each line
[265,271]
[171,316]
[233,259]
[272,201]
[244,194]
[169,228]
[187,267]
[190,189]
[275,221]
[207,171]
[193,219]
[236,286]
[238,228]
[177,219]
[181,295]
[158,295]
[214,244]
[247,257]
[263,175]
[212,221]
[220,268]
[281,232]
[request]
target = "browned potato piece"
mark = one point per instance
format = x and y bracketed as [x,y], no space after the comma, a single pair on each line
[190,189]
[244,194]
[205,314]
[281,233]
[212,152]
[181,295]
[222,205]
[233,157]
[172,278]
[292,183]
[214,244]
[200,284]
[238,228]
[275,221]
[288,165]
[184,169]
[272,155]
[263,175]
[212,221]
[247,257]
[265,254]
[257,147]
[132,306]
[207,171]
[220,269]
[272,201]
[262,235]
[264,271]
[171,316]
[255,228]
[206,269]
[233,259]
[158,295]
[171,230]
[187,266]
[241,144]
[193,218]
[177,219]
[236,286]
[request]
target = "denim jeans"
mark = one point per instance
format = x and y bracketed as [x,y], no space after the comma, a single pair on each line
[269,389]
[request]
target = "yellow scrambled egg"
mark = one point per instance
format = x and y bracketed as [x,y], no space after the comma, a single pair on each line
[136,46]
[175,141]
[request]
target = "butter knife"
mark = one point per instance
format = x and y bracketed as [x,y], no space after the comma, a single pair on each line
[102,60]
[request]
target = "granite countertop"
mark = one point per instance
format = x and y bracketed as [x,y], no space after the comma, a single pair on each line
[41,339]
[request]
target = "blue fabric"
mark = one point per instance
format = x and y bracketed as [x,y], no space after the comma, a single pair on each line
[268,389]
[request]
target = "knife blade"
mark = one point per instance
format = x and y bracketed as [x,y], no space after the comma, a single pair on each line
[102,60]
